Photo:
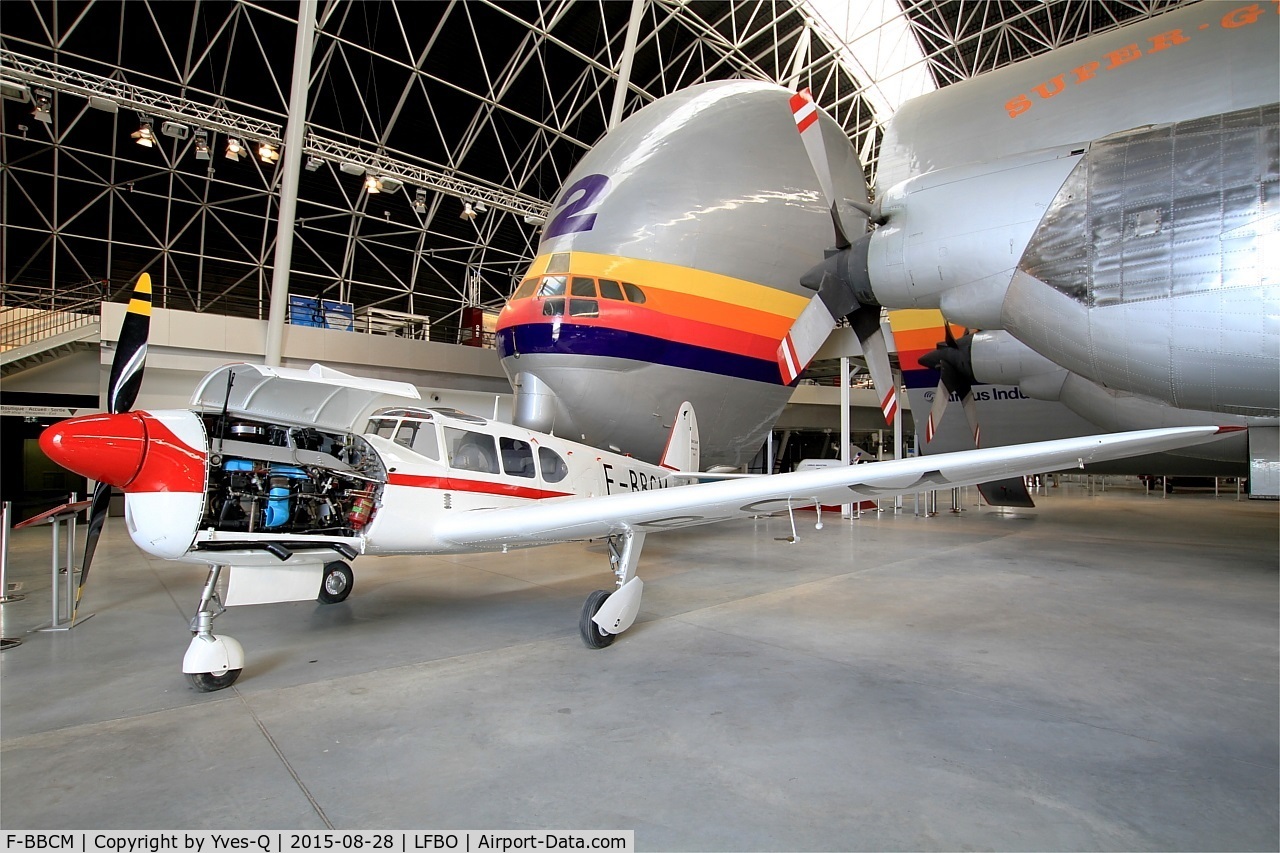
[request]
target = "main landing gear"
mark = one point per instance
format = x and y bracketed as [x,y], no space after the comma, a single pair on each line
[211,663]
[607,614]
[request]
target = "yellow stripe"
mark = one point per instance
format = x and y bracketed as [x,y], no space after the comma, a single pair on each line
[142,306]
[910,319]
[654,274]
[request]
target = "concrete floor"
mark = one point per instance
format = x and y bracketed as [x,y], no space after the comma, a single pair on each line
[1099,673]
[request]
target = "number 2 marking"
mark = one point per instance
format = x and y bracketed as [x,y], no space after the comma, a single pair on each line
[571,219]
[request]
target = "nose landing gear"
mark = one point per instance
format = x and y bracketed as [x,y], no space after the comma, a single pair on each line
[211,663]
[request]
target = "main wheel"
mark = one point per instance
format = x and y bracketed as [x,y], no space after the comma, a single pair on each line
[207,682]
[336,584]
[592,634]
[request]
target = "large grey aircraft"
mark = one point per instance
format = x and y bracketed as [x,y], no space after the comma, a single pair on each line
[1111,205]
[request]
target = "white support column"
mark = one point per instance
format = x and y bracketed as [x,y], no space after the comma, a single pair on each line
[294,132]
[624,65]
[846,510]
[897,439]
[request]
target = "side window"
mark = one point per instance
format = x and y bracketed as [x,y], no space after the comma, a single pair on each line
[583,286]
[471,451]
[382,428]
[525,289]
[634,293]
[552,285]
[584,308]
[406,432]
[610,289]
[517,458]
[553,307]
[553,466]
[425,442]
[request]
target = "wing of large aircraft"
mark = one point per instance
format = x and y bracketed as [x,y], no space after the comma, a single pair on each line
[704,503]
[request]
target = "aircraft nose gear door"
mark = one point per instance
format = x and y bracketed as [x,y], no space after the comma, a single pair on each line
[605,615]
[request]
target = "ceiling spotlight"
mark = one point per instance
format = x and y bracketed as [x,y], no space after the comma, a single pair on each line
[313,163]
[481,207]
[145,137]
[351,168]
[420,201]
[202,145]
[105,104]
[268,153]
[43,103]
[372,184]
[175,130]
[468,212]
[234,149]
[531,219]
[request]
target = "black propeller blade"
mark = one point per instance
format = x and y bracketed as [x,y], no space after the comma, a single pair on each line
[122,391]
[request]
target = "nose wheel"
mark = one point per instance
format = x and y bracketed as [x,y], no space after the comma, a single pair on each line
[211,663]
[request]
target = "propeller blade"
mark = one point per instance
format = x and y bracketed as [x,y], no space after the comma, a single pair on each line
[941,397]
[806,114]
[131,350]
[122,391]
[807,334]
[97,516]
[875,349]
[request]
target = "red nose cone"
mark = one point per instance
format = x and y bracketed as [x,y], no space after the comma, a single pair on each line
[106,448]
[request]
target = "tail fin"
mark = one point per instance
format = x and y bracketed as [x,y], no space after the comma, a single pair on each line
[683,450]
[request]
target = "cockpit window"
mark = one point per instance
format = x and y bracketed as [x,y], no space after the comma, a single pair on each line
[553,307]
[517,457]
[552,285]
[559,262]
[634,293]
[610,289]
[525,289]
[583,286]
[382,428]
[553,465]
[584,308]
[425,442]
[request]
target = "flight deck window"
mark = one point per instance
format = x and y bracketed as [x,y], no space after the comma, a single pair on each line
[584,308]
[553,466]
[559,262]
[634,293]
[583,286]
[610,289]
[553,308]
[517,458]
[552,285]
[425,442]
[382,428]
[525,289]
[471,451]
[405,433]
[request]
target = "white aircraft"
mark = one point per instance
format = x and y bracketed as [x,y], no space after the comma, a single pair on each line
[284,475]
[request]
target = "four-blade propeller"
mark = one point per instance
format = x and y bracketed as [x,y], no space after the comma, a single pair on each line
[841,280]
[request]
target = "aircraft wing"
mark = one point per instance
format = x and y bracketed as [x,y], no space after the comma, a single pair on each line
[684,506]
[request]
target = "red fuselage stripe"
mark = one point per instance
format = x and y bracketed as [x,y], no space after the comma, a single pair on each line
[457,484]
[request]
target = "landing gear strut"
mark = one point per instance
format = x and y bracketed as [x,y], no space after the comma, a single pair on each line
[605,614]
[211,663]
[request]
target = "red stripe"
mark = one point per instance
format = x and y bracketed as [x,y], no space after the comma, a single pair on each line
[803,124]
[626,317]
[456,484]
[799,99]
[889,405]
[928,430]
